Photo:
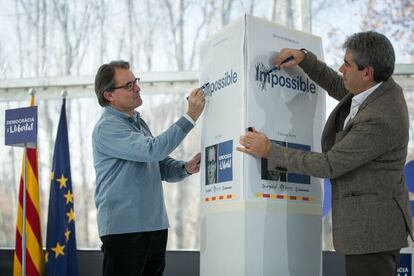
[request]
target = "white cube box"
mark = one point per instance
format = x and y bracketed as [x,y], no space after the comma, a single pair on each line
[256,221]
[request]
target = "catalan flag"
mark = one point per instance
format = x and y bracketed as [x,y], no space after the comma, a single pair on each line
[60,256]
[34,257]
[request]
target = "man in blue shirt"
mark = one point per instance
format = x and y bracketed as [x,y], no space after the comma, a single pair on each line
[130,164]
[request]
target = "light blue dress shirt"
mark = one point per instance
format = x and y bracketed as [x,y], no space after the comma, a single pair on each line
[130,164]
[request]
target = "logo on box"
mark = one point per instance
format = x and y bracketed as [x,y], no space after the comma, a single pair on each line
[219,162]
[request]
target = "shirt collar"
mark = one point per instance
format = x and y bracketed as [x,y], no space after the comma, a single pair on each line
[360,98]
[120,114]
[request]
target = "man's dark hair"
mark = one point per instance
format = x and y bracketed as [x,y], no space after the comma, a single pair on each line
[105,79]
[372,49]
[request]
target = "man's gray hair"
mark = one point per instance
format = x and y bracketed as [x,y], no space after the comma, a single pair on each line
[372,49]
[105,79]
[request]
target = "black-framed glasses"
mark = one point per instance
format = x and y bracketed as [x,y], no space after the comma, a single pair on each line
[129,85]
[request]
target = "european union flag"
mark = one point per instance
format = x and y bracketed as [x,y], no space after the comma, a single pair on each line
[61,256]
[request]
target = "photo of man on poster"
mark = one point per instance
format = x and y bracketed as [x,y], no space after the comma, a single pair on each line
[211,164]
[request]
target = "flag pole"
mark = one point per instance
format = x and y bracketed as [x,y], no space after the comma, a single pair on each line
[63,93]
[24,213]
[32,92]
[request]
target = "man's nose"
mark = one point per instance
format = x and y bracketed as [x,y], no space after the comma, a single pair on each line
[137,88]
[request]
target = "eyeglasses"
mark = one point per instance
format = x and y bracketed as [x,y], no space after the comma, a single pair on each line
[129,85]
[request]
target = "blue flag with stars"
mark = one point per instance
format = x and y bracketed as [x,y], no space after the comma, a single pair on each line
[60,253]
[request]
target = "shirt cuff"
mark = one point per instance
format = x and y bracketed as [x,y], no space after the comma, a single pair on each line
[185,170]
[189,118]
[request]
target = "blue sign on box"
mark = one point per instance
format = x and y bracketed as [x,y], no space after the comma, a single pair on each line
[225,161]
[21,126]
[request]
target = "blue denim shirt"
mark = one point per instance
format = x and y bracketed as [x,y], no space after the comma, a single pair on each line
[130,164]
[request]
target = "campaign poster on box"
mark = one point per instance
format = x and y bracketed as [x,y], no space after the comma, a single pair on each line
[287,106]
[221,65]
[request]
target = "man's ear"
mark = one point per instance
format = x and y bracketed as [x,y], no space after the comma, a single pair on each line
[108,96]
[369,73]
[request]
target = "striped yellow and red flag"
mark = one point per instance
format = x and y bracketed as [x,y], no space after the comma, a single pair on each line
[34,254]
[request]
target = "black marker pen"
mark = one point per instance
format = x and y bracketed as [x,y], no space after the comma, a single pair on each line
[202,88]
[276,67]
